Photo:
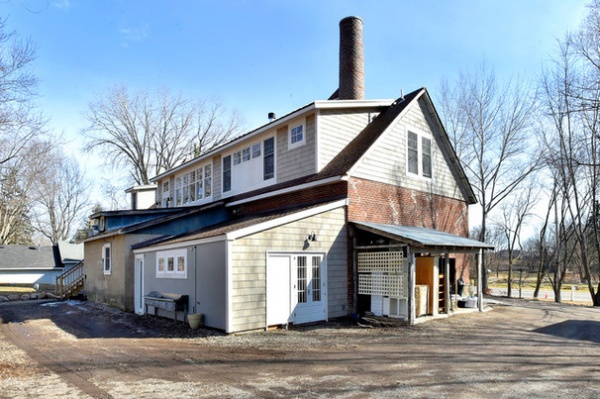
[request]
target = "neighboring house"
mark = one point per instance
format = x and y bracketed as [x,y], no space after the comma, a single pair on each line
[22,264]
[342,206]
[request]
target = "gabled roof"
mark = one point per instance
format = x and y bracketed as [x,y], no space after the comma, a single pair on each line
[345,160]
[23,257]
[423,238]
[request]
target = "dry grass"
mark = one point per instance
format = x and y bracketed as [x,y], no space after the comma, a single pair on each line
[12,290]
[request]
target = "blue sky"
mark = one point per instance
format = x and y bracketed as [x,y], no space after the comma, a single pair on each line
[262,56]
[273,55]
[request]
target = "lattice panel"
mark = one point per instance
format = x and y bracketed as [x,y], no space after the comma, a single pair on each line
[393,285]
[386,262]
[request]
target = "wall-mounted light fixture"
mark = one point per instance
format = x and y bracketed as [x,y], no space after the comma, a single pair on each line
[311,237]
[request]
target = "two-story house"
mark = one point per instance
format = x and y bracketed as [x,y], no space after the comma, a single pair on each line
[339,207]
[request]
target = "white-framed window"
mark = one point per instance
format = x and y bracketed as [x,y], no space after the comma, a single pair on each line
[171,264]
[296,135]
[107,258]
[194,186]
[165,195]
[252,166]
[419,154]
[269,159]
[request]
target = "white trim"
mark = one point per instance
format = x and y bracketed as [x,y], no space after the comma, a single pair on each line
[107,272]
[420,135]
[294,125]
[234,235]
[174,254]
[228,290]
[316,147]
[288,190]
[199,241]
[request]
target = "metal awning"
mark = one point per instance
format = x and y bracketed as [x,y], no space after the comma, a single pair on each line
[424,238]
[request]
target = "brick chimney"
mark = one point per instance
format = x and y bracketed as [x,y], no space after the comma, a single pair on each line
[352,76]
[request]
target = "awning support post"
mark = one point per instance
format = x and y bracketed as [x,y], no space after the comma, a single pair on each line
[410,257]
[447,282]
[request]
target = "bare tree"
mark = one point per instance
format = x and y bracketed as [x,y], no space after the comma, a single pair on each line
[511,220]
[59,198]
[17,192]
[490,124]
[150,134]
[18,124]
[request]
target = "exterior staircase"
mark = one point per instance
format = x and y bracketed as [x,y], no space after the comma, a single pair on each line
[71,282]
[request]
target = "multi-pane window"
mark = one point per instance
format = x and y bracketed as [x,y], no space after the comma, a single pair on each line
[419,155]
[302,280]
[296,136]
[171,264]
[269,159]
[193,186]
[316,279]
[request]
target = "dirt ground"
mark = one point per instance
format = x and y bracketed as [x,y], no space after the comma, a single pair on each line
[86,350]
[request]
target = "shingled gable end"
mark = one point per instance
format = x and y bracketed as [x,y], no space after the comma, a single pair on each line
[293,222]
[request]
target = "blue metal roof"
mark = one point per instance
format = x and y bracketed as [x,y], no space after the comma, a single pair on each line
[422,237]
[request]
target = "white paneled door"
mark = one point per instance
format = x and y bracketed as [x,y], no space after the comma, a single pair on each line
[296,288]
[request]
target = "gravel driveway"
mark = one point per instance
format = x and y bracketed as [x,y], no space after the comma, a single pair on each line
[86,350]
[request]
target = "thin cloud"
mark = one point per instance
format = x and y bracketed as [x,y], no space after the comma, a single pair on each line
[133,34]
[61,4]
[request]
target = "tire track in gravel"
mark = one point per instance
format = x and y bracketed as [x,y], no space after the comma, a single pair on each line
[65,373]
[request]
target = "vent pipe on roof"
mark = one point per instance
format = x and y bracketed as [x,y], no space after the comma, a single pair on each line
[271,116]
[352,75]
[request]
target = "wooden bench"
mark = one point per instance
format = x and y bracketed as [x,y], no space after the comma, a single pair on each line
[167,301]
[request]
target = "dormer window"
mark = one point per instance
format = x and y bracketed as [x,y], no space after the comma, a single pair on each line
[297,135]
[194,186]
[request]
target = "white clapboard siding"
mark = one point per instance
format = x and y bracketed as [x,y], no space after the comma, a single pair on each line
[248,265]
[385,162]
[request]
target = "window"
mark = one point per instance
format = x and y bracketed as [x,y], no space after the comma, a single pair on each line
[178,191]
[413,153]
[419,155]
[269,159]
[207,181]
[171,264]
[227,173]
[296,136]
[193,186]
[106,259]
[166,195]
[426,159]
[256,150]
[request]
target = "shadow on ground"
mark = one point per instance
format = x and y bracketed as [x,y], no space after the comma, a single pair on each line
[582,330]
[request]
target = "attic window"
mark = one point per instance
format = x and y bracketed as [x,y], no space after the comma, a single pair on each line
[297,135]
[419,154]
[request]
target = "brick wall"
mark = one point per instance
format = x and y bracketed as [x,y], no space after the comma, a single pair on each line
[384,203]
